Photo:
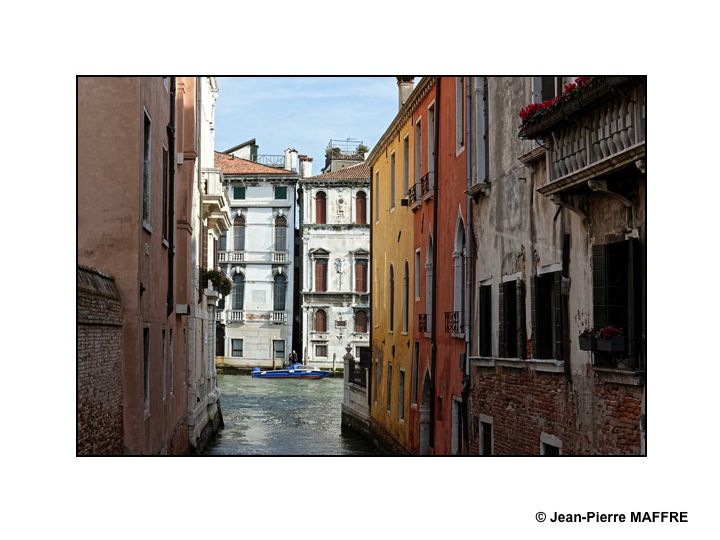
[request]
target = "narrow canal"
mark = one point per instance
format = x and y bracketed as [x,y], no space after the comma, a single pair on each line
[286,417]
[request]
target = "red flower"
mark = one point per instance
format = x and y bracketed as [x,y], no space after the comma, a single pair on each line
[582,81]
[569,87]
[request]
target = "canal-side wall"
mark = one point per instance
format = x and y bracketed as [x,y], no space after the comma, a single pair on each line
[99,365]
[355,411]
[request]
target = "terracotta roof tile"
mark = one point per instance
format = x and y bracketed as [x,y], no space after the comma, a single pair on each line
[234,165]
[360,171]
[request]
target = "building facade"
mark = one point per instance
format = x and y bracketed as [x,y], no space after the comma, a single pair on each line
[257,255]
[335,233]
[560,231]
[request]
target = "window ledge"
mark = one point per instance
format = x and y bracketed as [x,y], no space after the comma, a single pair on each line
[627,377]
[536,364]
[482,361]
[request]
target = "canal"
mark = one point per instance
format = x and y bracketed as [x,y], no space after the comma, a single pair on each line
[283,417]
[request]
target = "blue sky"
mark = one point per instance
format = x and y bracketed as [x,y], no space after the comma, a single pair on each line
[303,112]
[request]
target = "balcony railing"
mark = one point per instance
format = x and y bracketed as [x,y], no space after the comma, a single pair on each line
[453,322]
[279,317]
[271,160]
[422,322]
[412,197]
[427,183]
[212,181]
[219,316]
[236,315]
[253,256]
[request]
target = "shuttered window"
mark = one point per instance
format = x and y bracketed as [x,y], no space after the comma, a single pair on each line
[238,292]
[321,275]
[392,181]
[361,322]
[512,319]
[237,347]
[484,321]
[320,320]
[320,208]
[546,305]
[361,275]
[388,394]
[391,299]
[401,395]
[147,170]
[239,234]
[279,292]
[281,234]
[361,208]
[459,113]
[321,350]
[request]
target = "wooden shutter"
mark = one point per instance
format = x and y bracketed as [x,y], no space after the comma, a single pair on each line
[484,318]
[320,214]
[534,285]
[558,329]
[520,313]
[280,238]
[320,321]
[502,342]
[320,275]
[361,208]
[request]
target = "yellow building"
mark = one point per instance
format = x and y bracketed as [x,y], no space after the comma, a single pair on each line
[392,173]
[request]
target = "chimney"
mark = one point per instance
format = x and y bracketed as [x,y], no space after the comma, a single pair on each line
[305,166]
[291,156]
[405,88]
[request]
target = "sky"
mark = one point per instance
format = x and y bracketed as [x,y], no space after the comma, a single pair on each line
[303,112]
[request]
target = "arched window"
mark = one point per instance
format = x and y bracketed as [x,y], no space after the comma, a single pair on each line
[405,294]
[391,300]
[320,207]
[239,234]
[281,234]
[320,321]
[279,292]
[459,266]
[238,292]
[361,322]
[361,266]
[321,275]
[361,208]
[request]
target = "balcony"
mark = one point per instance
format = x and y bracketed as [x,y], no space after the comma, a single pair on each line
[427,185]
[214,202]
[279,317]
[453,323]
[219,316]
[423,322]
[412,196]
[267,257]
[271,160]
[235,316]
[592,132]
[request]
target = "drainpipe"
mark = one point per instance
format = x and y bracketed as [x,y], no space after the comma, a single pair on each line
[433,321]
[370,265]
[468,267]
[171,199]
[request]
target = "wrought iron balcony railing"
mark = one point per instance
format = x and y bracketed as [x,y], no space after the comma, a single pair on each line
[427,183]
[412,197]
[453,322]
[271,160]
[424,321]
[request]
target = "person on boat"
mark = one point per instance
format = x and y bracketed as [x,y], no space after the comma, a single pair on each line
[293,357]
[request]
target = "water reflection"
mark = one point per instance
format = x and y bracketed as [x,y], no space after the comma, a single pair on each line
[285,417]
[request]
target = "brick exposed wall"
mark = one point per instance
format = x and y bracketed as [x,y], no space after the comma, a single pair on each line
[589,416]
[99,365]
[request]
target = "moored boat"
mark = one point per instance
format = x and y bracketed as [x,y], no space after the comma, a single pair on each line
[294,371]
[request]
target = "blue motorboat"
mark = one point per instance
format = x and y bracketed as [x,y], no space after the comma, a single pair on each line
[294,371]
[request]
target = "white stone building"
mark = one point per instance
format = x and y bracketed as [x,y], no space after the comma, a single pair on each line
[257,255]
[336,249]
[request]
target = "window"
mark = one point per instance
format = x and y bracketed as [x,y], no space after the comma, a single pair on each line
[280,192]
[321,350]
[455,429]
[165,198]
[320,320]
[550,445]
[418,151]
[146,369]
[414,374]
[361,322]
[239,233]
[549,450]
[617,291]
[431,139]
[459,113]
[361,208]
[164,365]
[416,275]
[459,269]
[280,234]
[401,395]
[482,155]
[405,298]
[484,321]
[222,244]
[429,282]
[238,292]
[376,381]
[392,180]
[321,275]
[279,349]
[172,363]
[546,88]
[237,347]
[361,267]
[389,388]
[279,292]
[512,319]
[239,192]
[376,196]
[547,329]
[485,437]
[320,208]
[391,300]
[406,164]
[147,171]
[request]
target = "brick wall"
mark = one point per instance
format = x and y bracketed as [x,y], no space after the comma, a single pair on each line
[589,416]
[99,365]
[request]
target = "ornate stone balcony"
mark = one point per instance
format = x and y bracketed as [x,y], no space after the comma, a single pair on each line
[267,257]
[214,201]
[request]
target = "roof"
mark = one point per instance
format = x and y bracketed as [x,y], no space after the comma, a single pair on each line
[234,165]
[238,146]
[361,171]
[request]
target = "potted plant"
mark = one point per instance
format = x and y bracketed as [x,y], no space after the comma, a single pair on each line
[610,339]
[587,339]
[220,281]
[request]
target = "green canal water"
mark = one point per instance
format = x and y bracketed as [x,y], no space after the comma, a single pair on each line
[283,417]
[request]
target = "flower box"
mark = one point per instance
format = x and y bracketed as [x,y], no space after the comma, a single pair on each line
[587,343]
[611,344]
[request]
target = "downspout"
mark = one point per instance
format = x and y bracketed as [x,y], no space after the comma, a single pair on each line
[171,200]
[468,269]
[370,265]
[433,319]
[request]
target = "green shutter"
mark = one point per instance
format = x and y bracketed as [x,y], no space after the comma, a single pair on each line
[520,303]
